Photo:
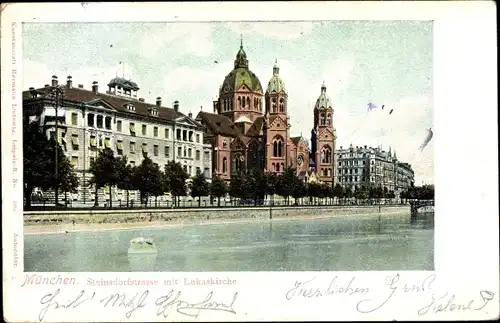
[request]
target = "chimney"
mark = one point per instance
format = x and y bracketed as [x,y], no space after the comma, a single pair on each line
[80,86]
[141,99]
[69,82]
[54,80]
[366,146]
[46,85]
[176,106]
[190,115]
[158,102]
[95,87]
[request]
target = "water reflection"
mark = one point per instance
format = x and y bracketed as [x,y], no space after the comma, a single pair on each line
[352,242]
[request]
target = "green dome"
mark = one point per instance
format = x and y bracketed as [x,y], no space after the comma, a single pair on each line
[238,77]
[276,84]
[323,101]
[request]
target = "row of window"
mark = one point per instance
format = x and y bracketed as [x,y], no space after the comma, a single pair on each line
[278,108]
[352,162]
[350,171]
[327,172]
[187,168]
[102,122]
[106,143]
[243,102]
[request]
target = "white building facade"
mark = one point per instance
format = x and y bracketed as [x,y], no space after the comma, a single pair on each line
[90,121]
[367,166]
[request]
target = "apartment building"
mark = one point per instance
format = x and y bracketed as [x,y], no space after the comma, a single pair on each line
[92,120]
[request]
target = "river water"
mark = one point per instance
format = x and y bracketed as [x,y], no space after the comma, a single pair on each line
[340,243]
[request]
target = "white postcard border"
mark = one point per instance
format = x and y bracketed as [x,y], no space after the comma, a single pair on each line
[466,241]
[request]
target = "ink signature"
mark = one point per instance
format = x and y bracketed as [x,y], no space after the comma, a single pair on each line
[165,304]
[120,300]
[448,303]
[367,305]
[50,301]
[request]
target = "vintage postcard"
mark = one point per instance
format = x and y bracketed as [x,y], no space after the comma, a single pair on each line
[249,161]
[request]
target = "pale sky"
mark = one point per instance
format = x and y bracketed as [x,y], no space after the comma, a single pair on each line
[384,62]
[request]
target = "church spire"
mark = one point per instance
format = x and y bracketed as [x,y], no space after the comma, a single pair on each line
[241,57]
[276,69]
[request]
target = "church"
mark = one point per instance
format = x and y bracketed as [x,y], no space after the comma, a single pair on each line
[250,128]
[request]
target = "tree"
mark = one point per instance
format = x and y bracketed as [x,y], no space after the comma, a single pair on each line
[199,186]
[313,190]
[175,180]
[299,189]
[39,163]
[67,178]
[348,193]
[148,179]
[338,191]
[272,184]
[285,183]
[125,175]
[361,193]
[236,185]
[105,171]
[218,188]
[256,184]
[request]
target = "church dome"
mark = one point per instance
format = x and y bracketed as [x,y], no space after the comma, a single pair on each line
[323,101]
[240,76]
[276,84]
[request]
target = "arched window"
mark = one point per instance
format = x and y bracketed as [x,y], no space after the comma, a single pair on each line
[224,165]
[248,102]
[283,166]
[224,144]
[274,166]
[322,119]
[239,101]
[243,101]
[273,105]
[326,155]
[277,167]
[282,105]
[277,147]
[260,104]
[255,103]
[328,119]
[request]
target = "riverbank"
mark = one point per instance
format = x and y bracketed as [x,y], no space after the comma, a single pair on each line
[53,222]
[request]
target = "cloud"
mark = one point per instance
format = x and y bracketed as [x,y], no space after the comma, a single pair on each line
[192,38]
[404,130]
[276,30]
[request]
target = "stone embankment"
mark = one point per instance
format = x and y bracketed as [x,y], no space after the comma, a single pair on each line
[200,215]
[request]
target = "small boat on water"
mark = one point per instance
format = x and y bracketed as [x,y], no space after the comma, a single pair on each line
[142,245]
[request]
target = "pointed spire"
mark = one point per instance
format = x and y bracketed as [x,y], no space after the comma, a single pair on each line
[323,87]
[276,69]
[241,40]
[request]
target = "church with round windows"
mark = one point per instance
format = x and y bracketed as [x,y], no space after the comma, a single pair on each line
[250,128]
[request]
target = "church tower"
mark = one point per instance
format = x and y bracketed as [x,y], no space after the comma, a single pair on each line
[277,132]
[323,139]
[240,95]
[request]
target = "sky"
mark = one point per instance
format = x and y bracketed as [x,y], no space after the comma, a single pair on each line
[387,63]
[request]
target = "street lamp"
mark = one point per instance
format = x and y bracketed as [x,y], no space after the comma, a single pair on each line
[57,93]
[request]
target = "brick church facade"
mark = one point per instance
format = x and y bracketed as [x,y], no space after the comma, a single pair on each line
[250,128]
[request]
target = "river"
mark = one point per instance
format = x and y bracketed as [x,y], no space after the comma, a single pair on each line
[339,243]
